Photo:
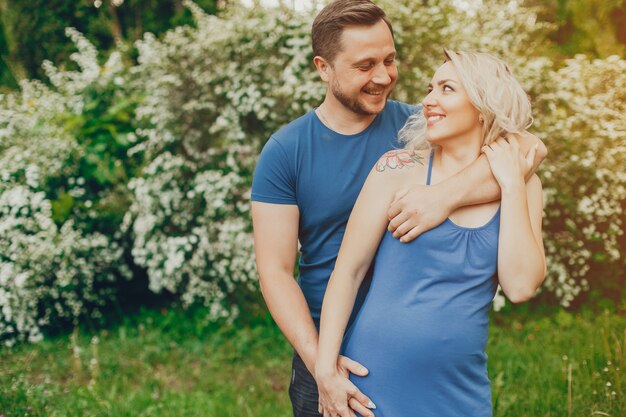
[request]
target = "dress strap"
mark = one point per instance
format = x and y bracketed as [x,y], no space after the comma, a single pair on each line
[430,166]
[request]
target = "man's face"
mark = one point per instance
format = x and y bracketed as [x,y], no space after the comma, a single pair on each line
[364,73]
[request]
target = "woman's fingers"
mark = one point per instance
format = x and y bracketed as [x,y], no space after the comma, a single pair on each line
[351,366]
[356,394]
[360,408]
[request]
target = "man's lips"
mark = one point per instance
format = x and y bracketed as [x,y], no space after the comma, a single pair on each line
[374,92]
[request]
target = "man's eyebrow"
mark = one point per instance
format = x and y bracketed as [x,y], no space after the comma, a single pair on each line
[369,59]
[363,61]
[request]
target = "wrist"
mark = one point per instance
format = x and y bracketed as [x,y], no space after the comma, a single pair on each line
[450,197]
[309,357]
[512,187]
[324,371]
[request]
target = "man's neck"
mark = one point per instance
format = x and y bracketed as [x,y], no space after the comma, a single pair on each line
[342,120]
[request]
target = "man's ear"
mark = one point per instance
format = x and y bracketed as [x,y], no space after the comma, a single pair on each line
[323,68]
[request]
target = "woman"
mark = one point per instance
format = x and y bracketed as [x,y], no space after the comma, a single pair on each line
[422,330]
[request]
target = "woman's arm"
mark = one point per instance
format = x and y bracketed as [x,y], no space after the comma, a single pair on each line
[419,208]
[521,257]
[364,231]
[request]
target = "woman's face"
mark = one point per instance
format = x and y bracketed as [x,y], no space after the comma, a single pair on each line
[448,110]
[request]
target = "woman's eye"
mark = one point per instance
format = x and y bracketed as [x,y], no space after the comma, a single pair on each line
[447,88]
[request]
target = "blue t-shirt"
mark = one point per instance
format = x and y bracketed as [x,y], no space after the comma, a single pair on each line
[322,172]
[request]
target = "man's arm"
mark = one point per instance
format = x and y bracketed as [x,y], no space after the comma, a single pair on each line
[420,208]
[276,246]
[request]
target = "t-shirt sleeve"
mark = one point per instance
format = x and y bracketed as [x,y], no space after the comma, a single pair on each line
[274,176]
[410,109]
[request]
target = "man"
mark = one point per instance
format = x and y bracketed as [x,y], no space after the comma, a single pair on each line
[311,171]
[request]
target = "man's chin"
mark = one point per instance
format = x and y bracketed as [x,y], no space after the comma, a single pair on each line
[375,108]
[373,105]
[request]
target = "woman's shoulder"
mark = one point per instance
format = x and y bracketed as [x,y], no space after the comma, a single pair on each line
[399,167]
[396,160]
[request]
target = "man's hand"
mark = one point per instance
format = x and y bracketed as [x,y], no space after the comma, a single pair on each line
[340,397]
[416,210]
[420,208]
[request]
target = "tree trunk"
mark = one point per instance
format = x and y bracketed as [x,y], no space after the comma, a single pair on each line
[116,27]
[178,6]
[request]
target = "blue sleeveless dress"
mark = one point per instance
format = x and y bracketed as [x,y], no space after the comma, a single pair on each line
[422,329]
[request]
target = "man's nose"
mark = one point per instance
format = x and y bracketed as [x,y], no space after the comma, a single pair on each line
[381,75]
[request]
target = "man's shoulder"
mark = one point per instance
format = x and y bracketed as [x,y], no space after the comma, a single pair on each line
[292,131]
[400,108]
[276,171]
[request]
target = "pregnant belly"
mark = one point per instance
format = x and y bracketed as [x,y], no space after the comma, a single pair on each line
[417,335]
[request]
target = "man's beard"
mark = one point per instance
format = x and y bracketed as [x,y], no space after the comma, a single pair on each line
[353,103]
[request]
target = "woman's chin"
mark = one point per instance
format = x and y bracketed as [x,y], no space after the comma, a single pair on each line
[432,139]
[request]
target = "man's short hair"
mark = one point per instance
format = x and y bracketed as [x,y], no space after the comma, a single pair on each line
[330,23]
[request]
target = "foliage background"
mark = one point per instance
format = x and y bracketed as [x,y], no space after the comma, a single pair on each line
[126,159]
[127,145]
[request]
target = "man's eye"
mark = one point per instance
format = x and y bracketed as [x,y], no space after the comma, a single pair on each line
[390,62]
[365,67]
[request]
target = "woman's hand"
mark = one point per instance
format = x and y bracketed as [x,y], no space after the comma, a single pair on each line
[338,396]
[508,164]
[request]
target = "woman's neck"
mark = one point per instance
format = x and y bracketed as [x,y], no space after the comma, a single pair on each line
[454,155]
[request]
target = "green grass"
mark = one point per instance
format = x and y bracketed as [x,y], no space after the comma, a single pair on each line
[171,363]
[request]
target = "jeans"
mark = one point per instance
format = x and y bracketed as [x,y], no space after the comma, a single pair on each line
[302,390]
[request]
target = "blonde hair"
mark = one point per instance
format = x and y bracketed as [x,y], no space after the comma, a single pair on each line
[493,91]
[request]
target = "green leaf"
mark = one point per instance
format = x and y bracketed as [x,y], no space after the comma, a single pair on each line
[62,208]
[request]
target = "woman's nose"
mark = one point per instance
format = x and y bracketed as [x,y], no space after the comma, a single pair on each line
[429,100]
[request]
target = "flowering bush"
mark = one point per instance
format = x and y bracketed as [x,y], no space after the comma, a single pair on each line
[53,268]
[581,113]
[162,153]
[49,275]
[212,95]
